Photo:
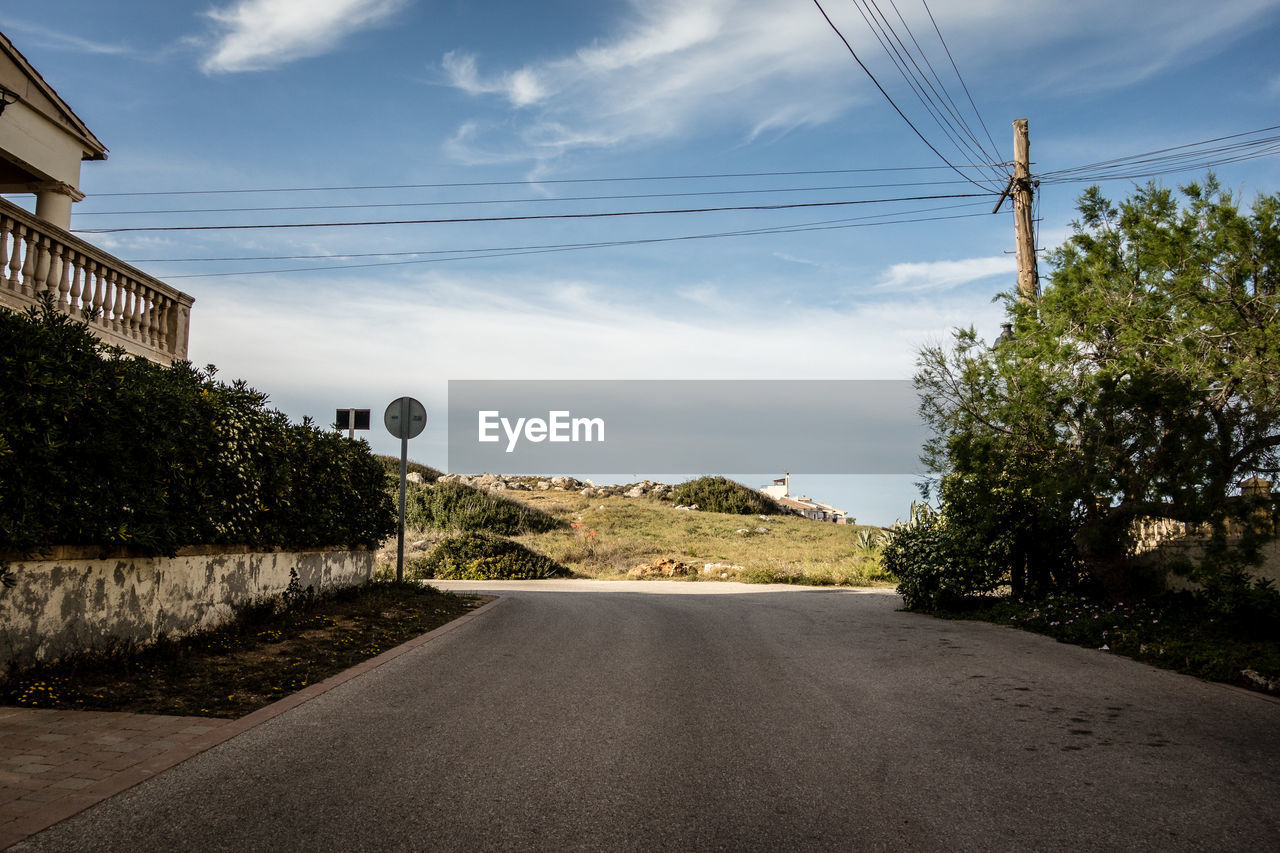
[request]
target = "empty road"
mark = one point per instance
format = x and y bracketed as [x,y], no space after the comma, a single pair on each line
[675,716]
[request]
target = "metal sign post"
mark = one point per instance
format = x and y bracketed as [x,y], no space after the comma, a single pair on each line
[405,418]
[352,420]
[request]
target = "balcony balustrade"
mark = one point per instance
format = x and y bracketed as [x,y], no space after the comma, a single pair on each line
[122,305]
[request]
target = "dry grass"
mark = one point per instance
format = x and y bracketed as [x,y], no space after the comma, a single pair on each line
[609,536]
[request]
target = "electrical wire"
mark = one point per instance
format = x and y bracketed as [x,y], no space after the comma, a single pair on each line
[547,181]
[892,103]
[339,256]
[901,57]
[526,217]
[580,246]
[976,112]
[953,109]
[538,200]
[1191,155]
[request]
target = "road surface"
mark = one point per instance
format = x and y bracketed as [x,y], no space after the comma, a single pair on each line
[677,716]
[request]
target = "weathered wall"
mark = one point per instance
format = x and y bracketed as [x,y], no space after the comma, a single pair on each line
[1191,549]
[74,599]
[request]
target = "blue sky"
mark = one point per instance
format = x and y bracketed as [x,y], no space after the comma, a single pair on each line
[261,94]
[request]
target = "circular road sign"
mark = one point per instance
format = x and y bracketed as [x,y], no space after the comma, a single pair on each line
[405,418]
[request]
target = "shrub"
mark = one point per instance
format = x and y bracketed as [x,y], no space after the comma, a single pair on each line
[483,556]
[100,448]
[392,466]
[935,564]
[455,506]
[719,494]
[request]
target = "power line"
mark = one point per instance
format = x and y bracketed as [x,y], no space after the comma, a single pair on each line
[526,217]
[566,247]
[1167,154]
[548,181]
[976,112]
[901,57]
[339,256]
[954,110]
[898,110]
[538,200]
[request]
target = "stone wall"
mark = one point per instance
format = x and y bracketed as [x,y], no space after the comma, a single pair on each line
[1191,549]
[77,599]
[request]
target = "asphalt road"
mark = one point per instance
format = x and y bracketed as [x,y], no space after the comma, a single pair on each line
[669,716]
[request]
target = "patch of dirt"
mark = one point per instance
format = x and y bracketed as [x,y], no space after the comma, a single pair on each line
[260,657]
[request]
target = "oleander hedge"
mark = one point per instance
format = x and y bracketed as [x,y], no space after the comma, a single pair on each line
[101,448]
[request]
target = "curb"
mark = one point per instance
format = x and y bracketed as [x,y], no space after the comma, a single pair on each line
[77,802]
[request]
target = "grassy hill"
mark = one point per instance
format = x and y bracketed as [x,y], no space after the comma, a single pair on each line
[609,537]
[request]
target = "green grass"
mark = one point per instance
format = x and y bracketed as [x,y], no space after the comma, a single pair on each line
[606,537]
[1178,631]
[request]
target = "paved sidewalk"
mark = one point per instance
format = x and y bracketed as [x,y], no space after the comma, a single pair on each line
[56,763]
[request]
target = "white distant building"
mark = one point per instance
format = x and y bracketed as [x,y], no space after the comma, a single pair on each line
[780,491]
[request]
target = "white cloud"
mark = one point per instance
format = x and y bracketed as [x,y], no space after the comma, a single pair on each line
[944,275]
[762,68]
[259,34]
[521,87]
[672,64]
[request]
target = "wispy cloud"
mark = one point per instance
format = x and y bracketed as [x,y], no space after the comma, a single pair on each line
[255,35]
[56,40]
[671,64]
[943,275]
[762,68]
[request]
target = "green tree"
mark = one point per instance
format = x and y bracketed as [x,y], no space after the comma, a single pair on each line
[1142,384]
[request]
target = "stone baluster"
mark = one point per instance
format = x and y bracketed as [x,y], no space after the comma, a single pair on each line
[44,261]
[6,235]
[117,304]
[134,311]
[29,264]
[163,306]
[148,315]
[99,292]
[75,264]
[57,282]
[126,306]
[14,256]
[157,320]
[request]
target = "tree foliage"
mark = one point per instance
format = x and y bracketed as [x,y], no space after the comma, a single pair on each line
[100,448]
[1141,384]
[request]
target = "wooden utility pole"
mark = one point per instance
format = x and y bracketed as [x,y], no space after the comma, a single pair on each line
[1021,190]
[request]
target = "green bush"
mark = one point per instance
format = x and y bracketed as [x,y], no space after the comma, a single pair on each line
[392,466]
[101,448]
[483,556]
[719,494]
[455,506]
[936,565]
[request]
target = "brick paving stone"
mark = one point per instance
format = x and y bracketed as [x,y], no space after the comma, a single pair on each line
[33,768]
[50,760]
[15,808]
[44,795]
